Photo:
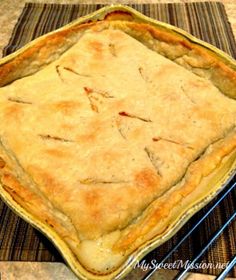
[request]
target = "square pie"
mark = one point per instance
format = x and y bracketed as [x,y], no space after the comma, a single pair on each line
[108,130]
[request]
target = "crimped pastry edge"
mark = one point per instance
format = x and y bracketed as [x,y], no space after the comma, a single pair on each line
[13,193]
[13,67]
[160,209]
[199,57]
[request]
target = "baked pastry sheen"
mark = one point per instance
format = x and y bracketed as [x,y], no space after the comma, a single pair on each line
[106,139]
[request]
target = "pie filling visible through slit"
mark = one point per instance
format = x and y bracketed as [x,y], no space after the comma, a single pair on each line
[105,141]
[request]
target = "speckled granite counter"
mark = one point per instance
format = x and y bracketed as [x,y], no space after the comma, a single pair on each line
[10,10]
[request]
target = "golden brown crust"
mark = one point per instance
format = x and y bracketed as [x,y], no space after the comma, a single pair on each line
[28,199]
[113,149]
[190,55]
[41,53]
[134,235]
[161,208]
[200,60]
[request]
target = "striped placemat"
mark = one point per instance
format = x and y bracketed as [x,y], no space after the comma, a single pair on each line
[207,21]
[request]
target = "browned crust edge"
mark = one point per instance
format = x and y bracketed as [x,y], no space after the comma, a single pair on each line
[200,60]
[194,57]
[40,52]
[219,72]
[33,203]
[138,233]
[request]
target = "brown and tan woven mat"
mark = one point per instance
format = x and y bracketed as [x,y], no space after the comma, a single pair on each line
[208,21]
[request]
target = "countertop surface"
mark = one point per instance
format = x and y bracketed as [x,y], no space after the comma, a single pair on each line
[11,9]
[9,12]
